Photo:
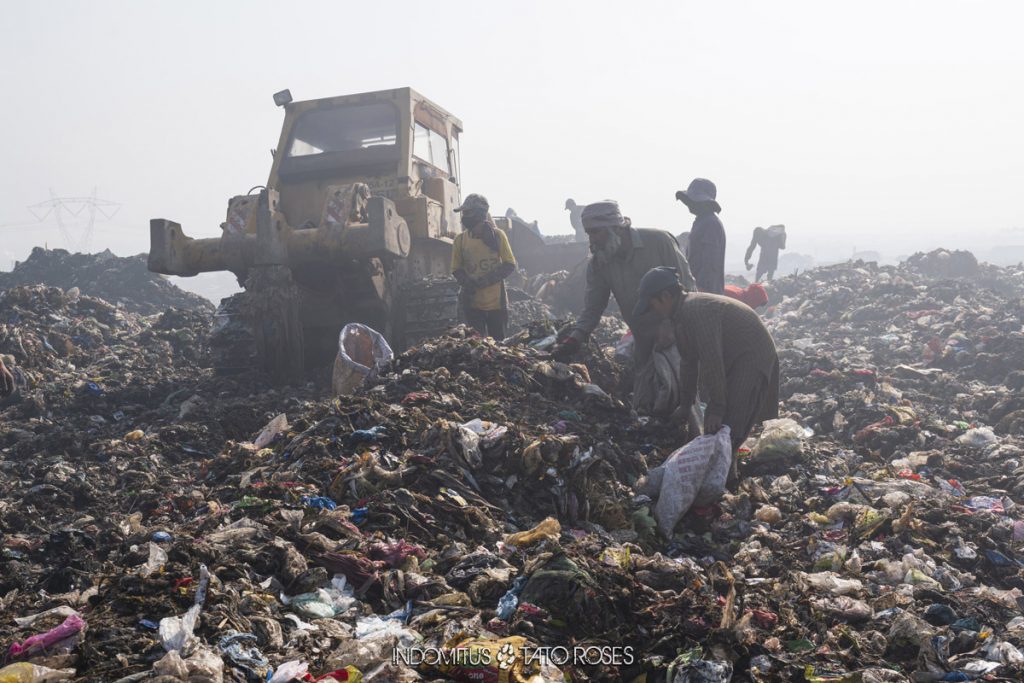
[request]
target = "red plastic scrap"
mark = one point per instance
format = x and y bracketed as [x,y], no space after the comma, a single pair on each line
[395,554]
[863,434]
[764,618]
[416,397]
[360,571]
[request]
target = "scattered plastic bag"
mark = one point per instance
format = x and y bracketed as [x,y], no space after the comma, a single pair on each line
[177,632]
[273,428]
[23,672]
[289,671]
[62,611]
[978,437]
[782,438]
[693,475]
[831,582]
[549,529]
[71,627]
[157,559]
[361,350]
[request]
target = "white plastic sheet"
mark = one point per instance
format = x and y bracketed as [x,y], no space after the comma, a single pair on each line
[693,475]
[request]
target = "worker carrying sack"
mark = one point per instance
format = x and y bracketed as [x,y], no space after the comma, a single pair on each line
[361,351]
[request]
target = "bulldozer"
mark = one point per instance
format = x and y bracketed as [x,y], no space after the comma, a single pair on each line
[355,224]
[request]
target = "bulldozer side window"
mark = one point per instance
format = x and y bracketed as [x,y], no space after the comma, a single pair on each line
[431,147]
[344,129]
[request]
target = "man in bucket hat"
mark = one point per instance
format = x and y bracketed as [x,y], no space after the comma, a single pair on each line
[481,260]
[707,237]
[620,255]
[726,344]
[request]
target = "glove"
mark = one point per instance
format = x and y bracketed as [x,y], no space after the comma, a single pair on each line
[712,423]
[750,266]
[460,276]
[566,348]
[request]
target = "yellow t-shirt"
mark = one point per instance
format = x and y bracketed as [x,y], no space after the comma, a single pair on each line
[477,259]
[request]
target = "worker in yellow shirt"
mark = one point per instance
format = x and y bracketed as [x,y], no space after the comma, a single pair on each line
[481,260]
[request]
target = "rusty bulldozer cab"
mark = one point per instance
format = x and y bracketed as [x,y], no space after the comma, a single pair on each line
[355,224]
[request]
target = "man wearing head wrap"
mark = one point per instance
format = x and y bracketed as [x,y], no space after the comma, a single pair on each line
[481,260]
[723,342]
[707,237]
[620,256]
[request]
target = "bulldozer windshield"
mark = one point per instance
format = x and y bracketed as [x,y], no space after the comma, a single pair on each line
[431,147]
[344,129]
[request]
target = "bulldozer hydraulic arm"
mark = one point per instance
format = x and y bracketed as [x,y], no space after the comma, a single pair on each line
[385,235]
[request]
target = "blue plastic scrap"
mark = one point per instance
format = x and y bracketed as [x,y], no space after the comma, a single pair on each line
[319,502]
[367,435]
[248,659]
[359,515]
[510,600]
[403,615]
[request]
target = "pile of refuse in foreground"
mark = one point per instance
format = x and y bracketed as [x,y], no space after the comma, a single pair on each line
[180,526]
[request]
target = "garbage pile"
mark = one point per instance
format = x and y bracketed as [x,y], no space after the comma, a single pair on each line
[482,497]
[124,281]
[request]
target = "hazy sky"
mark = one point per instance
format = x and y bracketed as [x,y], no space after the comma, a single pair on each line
[889,125]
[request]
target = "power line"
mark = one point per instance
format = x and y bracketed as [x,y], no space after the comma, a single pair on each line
[74,207]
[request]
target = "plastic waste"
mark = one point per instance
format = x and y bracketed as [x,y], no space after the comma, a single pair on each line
[323,603]
[488,432]
[272,429]
[782,438]
[940,615]
[62,611]
[289,671]
[177,632]
[202,665]
[510,600]
[693,475]
[768,514]
[831,582]
[71,627]
[319,502]
[979,437]
[23,672]
[701,671]
[361,351]
[134,435]
[844,607]
[371,435]
[549,530]
[157,559]
[162,537]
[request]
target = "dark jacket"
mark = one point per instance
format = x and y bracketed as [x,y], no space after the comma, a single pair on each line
[707,253]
